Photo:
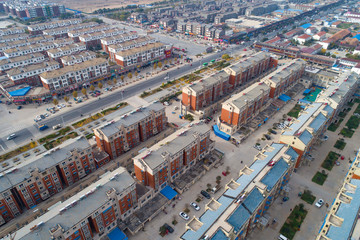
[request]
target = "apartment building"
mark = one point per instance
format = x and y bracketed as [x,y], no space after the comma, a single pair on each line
[285,77]
[30,74]
[75,34]
[57,53]
[21,61]
[337,93]
[24,42]
[170,158]
[28,49]
[11,31]
[141,55]
[93,39]
[105,42]
[37,179]
[127,131]
[76,75]
[242,107]
[342,220]
[91,214]
[77,58]
[246,199]
[63,31]
[62,42]
[308,128]
[38,28]
[249,68]
[13,37]
[138,42]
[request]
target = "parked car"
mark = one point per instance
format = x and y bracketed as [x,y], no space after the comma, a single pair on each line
[11,136]
[267,137]
[205,194]
[195,206]
[58,106]
[319,203]
[273,131]
[19,107]
[325,138]
[258,147]
[184,216]
[63,105]
[170,229]
[57,126]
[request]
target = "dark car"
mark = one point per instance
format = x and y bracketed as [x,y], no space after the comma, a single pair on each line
[205,194]
[267,137]
[170,229]
[273,132]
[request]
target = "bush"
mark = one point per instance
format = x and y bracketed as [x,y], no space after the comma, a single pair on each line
[293,222]
[340,144]
[189,117]
[347,132]
[353,122]
[308,197]
[330,160]
[334,126]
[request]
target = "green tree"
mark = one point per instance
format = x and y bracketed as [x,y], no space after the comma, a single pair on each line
[55,102]
[129,75]
[159,64]
[114,81]
[83,91]
[155,66]
[92,88]
[75,94]
[100,85]
[225,56]
[66,99]
[122,77]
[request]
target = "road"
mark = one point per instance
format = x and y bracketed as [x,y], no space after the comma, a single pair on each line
[25,134]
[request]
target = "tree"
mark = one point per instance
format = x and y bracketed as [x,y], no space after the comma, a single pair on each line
[122,77]
[66,98]
[100,85]
[109,82]
[129,75]
[225,56]
[159,64]
[175,59]
[55,102]
[114,81]
[92,88]
[170,61]
[75,94]
[165,62]
[136,73]
[155,66]
[83,91]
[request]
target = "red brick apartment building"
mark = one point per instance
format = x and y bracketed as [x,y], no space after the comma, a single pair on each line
[127,131]
[173,156]
[208,91]
[35,180]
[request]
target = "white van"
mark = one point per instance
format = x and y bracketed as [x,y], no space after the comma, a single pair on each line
[282,237]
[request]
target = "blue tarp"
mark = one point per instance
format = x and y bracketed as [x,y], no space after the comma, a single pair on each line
[117,234]
[221,134]
[168,192]
[306,25]
[20,92]
[284,98]
[307,91]
[357,36]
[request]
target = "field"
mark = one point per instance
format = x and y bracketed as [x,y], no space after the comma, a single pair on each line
[92,5]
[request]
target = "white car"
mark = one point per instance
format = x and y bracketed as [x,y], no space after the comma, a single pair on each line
[319,203]
[11,136]
[58,106]
[258,147]
[195,206]
[63,105]
[46,115]
[184,216]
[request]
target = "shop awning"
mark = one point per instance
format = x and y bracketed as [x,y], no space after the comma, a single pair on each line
[284,98]
[168,192]
[20,92]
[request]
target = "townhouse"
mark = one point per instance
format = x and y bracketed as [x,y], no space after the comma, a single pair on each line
[249,68]
[77,58]
[57,53]
[138,42]
[37,179]
[61,42]
[91,214]
[303,38]
[141,55]
[25,42]
[170,158]
[303,132]
[105,42]
[33,48]
[75,34]
[242,107]
[11,31]
[342,219]
[337,93]
[63,31]
[73,76]
[30,74]
[14,37]
[21,61]
[128,130]
[243,205]
[93,39]
[38,28]
[284,77]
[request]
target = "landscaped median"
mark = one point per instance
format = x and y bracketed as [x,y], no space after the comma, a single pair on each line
[294,221]
[330,160]
[340,144]
[17,151]
[319,177]
[55,135]
[60,140]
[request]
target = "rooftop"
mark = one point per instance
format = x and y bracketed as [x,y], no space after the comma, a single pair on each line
[130,52]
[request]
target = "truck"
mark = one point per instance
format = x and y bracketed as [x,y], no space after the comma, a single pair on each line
[216,188]
[43,127]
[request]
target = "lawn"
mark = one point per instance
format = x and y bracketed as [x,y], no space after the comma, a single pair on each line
[347,132]
[308,197]
[60,140]
[295,111]
[113,109]
[334,126]
[18,151]
[294,221]
[319,178]
[87,120]
[340,144]
[330,160]
[353,122]
[357,110]
[55,135]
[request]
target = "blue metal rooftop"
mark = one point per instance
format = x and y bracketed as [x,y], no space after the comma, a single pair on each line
[306,25]
[348,212]
[318,122]
[329,110]
[219,235]
[292,153]
[253,200]
[305,137]
[273,176]
[239,217]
